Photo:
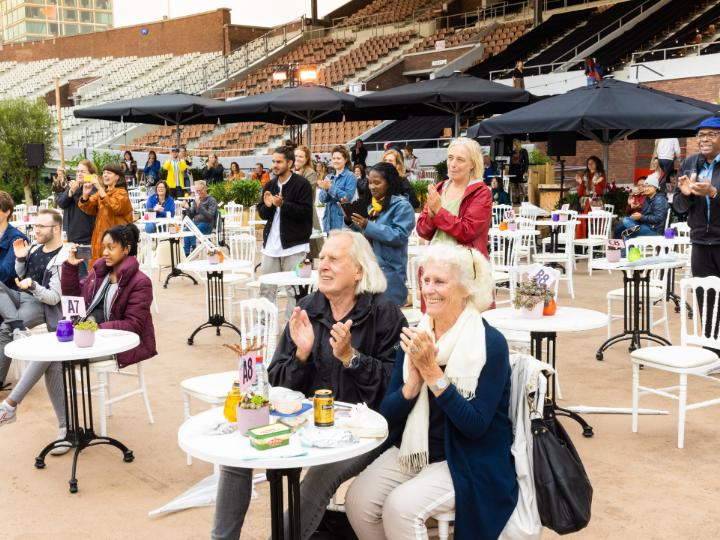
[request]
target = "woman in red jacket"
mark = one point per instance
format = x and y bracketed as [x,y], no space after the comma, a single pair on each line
[117,294]
[459,209]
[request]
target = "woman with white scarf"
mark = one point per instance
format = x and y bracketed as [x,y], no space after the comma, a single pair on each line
[447,412]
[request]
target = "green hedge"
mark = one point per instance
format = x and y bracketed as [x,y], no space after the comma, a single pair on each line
[245,192]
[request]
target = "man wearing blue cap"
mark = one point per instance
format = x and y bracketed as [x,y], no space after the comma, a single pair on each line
[697,194]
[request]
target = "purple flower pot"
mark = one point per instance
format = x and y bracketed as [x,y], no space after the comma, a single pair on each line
[64,331]
[84,338]
[250,418]
[669,233]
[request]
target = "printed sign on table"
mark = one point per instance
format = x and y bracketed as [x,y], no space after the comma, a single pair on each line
[73,306]
[509,216]
[565,207]
[545,276]
[246,366]
[615,243]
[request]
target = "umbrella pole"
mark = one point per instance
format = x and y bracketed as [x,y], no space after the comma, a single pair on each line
[309,138]
[606,159]
[562,177]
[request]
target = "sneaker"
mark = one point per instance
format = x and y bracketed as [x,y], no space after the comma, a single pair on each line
[630,231]
[7,415]
[64,448]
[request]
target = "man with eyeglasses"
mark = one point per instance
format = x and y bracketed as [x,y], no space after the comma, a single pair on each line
[37,299]
[697,194]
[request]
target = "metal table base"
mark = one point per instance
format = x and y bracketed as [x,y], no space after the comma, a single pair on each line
[215,306]
[174,259]
[275,478]
[79,435]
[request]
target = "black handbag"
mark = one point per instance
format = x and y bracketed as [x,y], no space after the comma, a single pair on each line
[563,489]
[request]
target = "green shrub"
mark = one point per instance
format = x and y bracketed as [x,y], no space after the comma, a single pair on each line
[441,170]
[421,190]
[245,192]
[87,325]
[538,157]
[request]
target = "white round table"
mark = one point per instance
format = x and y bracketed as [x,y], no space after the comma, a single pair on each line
[566,319]
[234,450]
[215,291]
[636,301]
[291,279]
[46,348]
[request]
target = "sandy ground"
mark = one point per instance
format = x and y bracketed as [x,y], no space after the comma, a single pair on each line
[644,486]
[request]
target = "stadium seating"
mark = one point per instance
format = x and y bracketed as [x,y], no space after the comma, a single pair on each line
[381,11]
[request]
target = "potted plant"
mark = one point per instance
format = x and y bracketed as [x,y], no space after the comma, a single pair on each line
[304,268]
[252,411]
[84,333]
[213,256]
[530,298]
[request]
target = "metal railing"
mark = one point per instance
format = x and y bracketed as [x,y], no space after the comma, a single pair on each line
[697,47]
[600,35]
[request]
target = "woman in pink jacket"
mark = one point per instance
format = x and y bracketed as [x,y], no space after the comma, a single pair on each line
[459,210]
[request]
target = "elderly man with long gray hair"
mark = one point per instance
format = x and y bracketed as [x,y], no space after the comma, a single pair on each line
[343,337]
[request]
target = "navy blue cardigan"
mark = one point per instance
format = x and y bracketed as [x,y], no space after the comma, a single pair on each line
[7,255]
[478,437]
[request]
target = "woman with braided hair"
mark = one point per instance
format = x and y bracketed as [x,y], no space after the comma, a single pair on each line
[388,226]
[117,294]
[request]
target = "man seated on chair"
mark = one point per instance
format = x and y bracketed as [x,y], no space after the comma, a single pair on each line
[344,338]
[203,211]
[651,221]
[36,302]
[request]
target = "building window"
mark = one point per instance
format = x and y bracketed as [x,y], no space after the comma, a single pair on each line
[103,18]
[70,15]
[70,29]
[36,27]
[86,16]
[103,4]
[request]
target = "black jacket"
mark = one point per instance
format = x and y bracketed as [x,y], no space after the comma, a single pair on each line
[213,175]
[409,191]
[77,224]
[702,231]
[358,156]
[296,214]
[376,327]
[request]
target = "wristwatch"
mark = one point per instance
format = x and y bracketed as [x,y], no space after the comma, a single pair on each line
[354,361]
[32,285]
[440,385]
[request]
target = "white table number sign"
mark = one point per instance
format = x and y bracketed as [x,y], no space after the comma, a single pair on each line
[545,276]
[509,216]
[73,306]
[565,207]
[616,243]
[247,373]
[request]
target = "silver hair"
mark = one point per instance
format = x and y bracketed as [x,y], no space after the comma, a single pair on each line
[470,267]
[373,280]
[201,183]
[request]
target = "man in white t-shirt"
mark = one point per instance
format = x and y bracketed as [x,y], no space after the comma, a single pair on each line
[667,151]
[287,205]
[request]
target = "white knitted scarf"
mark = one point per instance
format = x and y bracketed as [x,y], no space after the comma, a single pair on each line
[462,351]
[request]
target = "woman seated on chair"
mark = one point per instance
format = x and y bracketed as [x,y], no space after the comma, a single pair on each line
[390,221]
[447,412]
[161,203]
[499,195]
[117,294]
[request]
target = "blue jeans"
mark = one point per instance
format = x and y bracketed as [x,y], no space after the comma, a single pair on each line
[191,241]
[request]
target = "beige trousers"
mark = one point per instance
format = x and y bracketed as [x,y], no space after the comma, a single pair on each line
[384,502]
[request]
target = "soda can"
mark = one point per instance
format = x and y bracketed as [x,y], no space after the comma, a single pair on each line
[324,408]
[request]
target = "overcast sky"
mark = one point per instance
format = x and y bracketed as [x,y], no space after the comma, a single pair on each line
[248,12]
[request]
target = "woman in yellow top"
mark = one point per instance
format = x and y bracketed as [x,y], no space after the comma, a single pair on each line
[110,204]
[175,168]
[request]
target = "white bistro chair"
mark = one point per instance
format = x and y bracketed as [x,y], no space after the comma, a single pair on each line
[598,232]
[690,357]
[564,256]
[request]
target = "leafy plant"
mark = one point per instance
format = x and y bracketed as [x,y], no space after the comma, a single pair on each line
[617,196]
[538,157]
[100,159]
[529,294]
[253,401]
[421,190]
[571,198]
[219,192]
[23,122]
[86,325]
[245,192]
[441,170]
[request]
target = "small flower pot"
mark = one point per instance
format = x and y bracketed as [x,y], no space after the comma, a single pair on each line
[84,338]
[214,259]
[563,217]
[304,271]
[64,331]
[550,308]
[250,418]
[512,226]
[534,313]
[151,215]
[613,255]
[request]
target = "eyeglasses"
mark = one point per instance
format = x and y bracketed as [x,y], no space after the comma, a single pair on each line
[708,135]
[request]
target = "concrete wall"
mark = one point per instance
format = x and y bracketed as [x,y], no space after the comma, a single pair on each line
[204,32]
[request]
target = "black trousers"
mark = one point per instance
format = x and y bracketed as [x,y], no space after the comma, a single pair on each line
[705,262]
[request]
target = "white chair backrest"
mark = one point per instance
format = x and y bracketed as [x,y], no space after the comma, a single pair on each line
[609,208]
[498,213]
[682,229]
[504,252]
[242,247]
[703,294]
[529,211]
[259,320]
[413,281]
[251,212]
[598,226]
[233,212]
[668,216]
[650,246]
